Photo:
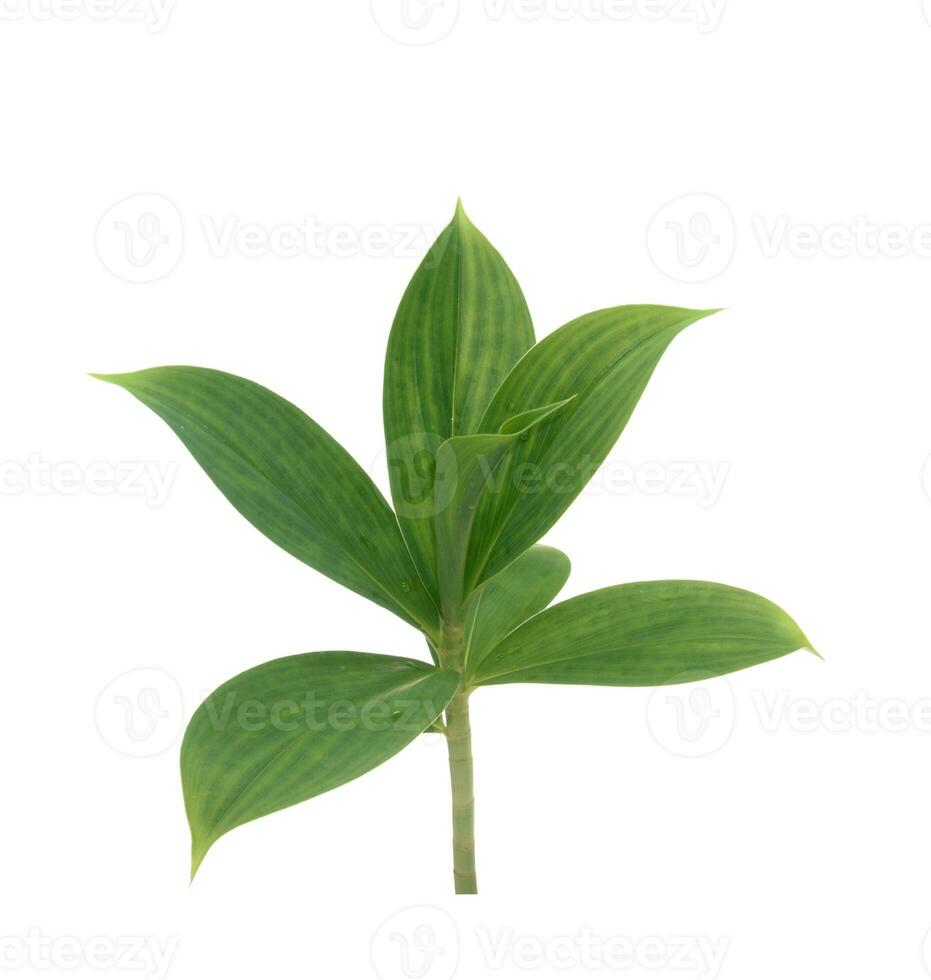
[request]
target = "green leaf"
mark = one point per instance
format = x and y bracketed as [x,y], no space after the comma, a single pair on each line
[465,467]
[605,359]
[526,586]
[290,479]
[644,634]
[294,728]
[461,326]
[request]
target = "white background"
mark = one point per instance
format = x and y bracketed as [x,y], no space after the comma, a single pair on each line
[787,815]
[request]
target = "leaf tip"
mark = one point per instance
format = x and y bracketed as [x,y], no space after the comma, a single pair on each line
[804,643]
[113,379]
[524,421]
[688,317]
[459,215]
[198,853]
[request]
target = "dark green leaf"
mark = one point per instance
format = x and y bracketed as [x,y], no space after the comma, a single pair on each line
[524,588]
[465,469]
[605,359]
[646,633]
[461,326]
[294,728]
[290,479]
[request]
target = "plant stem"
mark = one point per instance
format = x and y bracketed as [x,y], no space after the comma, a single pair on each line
[459,744]
[459,740]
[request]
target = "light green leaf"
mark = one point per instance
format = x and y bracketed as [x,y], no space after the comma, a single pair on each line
[294,728]
[465,469]
[644,634]
[526,586]
[461,326]
[290,479]
[605,359]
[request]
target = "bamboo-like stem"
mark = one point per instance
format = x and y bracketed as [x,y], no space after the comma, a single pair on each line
[459,744]
[459,740]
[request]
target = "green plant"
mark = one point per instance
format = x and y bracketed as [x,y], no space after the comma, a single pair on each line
[490,437]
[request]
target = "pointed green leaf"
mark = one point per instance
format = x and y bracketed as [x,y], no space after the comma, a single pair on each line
[290,479]
[465,468]
[294,728]
[646,633]
[461,326]
[605,359]
[524,588]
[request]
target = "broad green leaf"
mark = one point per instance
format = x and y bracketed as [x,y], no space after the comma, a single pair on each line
[294,728]
[465,468]
[526,586]
[646,633]
[605,359]
[289,479]
[461,326]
